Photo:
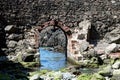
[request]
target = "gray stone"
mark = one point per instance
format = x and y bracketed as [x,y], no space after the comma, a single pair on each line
[107,71]
[12,44]
[113,36]
[83,46]
[116,65]
[111,48]
[11,29]
[67,76]
[116,72]
[85,25]
[15,37]
[35,77]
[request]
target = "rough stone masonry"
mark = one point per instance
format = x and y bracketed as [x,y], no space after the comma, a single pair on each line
[19,16]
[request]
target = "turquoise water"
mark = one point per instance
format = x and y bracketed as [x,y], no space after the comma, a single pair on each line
[52,60]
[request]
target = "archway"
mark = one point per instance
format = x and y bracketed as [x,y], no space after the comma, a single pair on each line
[53,24]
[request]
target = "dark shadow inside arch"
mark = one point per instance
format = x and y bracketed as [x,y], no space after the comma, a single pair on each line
[55,39]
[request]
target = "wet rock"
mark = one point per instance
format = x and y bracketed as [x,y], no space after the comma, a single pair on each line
[12,44]
[57,75]
[35,77]
[116,65]
[67,76]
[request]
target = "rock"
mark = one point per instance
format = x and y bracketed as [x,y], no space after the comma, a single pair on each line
[97,76]
[111,48]
[35,77]
[113,36]
[67,76]
[84,77]
[15,37]
[57,75]
[11,29]
[116,65]
[12,44]
[107,71]
[116,72]
[92,53]
[85,25]
[83,46]
[103,57]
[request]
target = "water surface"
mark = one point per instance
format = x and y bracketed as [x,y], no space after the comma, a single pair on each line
[51,60]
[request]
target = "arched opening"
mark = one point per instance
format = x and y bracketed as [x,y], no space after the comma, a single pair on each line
[93,35]
[53,47]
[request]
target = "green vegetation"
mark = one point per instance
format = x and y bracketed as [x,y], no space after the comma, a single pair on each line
[72,62]
[30,64]
[84,77]
[97,76]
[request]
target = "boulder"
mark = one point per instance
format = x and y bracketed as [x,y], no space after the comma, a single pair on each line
[12,44]
[11,29]
[15,37]
[111,48]
[97,76]
[113,36]
[35,77]
[85,25]
[107,71]
[116,72]
[83,46]
[116,65]
[67,76]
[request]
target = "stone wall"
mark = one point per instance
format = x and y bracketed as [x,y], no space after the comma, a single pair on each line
[104,14]
[22,15]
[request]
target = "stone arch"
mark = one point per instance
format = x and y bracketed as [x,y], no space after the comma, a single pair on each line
[66,30]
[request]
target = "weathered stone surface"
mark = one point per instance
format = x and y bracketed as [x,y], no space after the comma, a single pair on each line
[116,72]
[111,48]
[113,36]
[83,46]
[116,65]
[12,44]
[35,77]
[107,71]
[15,37]
[11,29]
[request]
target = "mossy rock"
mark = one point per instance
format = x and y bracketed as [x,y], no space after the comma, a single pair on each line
[4,77]
[40,72]
[72,62]
[63,70]
[84,77]
[97,76]
[30,64]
